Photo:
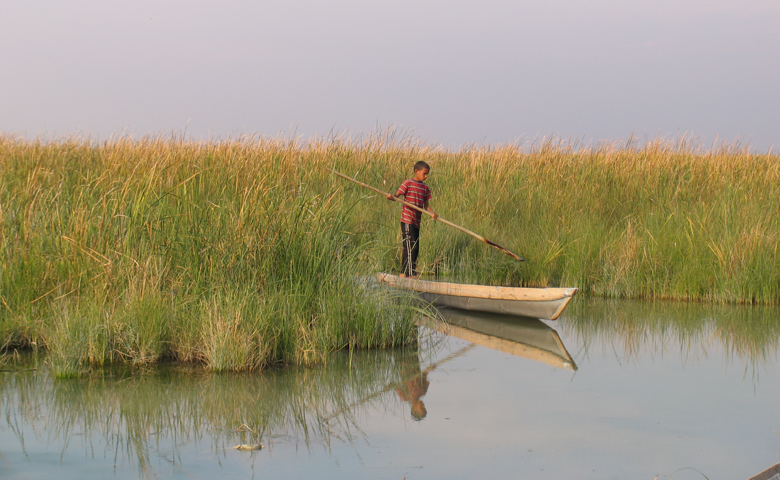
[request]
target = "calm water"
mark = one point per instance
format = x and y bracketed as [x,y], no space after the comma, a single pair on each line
[641,391]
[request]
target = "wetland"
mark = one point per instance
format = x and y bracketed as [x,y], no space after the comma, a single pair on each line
[242,254]
[163,301]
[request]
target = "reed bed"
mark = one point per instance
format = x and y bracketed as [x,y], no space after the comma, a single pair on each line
[245,253]
[668,220]
[222,254]
[663,221]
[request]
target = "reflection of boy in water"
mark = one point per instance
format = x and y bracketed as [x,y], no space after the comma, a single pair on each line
[414,386]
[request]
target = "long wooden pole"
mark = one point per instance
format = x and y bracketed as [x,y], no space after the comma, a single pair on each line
[446,222]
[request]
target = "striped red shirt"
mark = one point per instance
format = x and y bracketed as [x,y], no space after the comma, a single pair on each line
[416,193]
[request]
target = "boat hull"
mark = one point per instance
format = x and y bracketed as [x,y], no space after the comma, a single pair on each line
[545,303]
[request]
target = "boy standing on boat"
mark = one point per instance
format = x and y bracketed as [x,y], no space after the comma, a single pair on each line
[416,192]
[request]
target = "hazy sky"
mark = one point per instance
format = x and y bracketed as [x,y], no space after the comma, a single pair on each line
[450,72]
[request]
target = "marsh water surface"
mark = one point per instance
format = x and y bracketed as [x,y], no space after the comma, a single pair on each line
[611,390]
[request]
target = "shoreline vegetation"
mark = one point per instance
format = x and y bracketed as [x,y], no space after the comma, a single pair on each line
[247,253]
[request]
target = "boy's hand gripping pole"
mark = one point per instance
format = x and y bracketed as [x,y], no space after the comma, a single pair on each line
[446,222]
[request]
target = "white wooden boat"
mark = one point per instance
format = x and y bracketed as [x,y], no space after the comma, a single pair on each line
[545,303]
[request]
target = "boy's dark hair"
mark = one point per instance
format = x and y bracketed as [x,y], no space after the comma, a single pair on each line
[421,166]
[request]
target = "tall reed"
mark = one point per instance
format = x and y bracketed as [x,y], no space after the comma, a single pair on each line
[223,254]
[665,220]
[245,253]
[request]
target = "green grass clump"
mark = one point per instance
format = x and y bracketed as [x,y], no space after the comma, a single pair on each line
[222,254]
[245,253]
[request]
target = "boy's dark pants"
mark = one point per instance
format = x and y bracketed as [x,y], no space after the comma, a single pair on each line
[411,241]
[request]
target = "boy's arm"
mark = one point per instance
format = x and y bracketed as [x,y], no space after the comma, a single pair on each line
[429,209]
[401,191]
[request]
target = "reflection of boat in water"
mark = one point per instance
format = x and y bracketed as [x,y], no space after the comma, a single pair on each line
[520,336]
[546,303]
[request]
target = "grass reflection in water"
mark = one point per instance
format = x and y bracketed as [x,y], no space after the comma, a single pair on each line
[181,414]
[136,417]
[750,333]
